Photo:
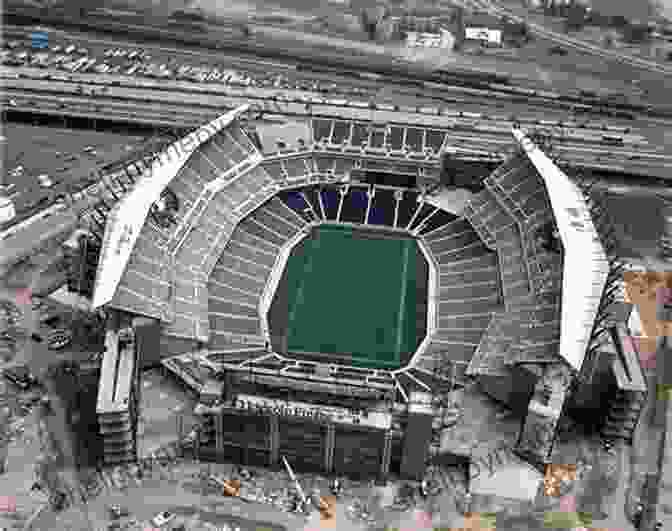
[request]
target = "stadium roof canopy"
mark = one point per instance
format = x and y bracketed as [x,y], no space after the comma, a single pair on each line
[585,264]
[129,215]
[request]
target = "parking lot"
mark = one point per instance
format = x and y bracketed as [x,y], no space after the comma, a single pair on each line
[132,61]
[43,162]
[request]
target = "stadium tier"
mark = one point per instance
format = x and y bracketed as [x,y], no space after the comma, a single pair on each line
[315,279]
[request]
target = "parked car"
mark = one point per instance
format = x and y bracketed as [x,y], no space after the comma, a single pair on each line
[59,339]
[20,376]
[162,518]
[117,511]
[45,181]
[557,50]
[70,49]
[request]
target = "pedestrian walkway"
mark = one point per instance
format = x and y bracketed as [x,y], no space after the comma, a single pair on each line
[664,511]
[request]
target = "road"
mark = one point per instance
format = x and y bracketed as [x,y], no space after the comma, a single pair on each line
[540,69]
[267,39]
[578,145]
[577,44]
[66,155]
[463,146]
[524,107]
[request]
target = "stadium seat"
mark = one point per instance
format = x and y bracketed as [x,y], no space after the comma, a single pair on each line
[457,226]
[329,198]
[321,129]
[341,132]
[413,139]
[254,227]
[434,139]
[382,208]
[276,207]
[396,138]
[407,206]
[355,204]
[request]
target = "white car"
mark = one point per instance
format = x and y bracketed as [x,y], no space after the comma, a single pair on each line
[59,339]
[70,48]
[162,518]
[45,180]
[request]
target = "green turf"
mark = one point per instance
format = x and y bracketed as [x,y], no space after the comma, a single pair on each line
[353,295]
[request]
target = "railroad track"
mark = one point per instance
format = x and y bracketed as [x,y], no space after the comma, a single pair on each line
[463,143]
[183,92]
[566,131]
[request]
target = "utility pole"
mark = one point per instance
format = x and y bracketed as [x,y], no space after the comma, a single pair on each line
[299,490]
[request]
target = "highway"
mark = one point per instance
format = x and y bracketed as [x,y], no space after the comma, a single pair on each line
[520,107]
[173,105]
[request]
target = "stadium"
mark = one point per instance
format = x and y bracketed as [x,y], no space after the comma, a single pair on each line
[329,300]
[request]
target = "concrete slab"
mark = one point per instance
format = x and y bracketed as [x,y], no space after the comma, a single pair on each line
[451,200]
[481,428]
[515,478]
[288,133]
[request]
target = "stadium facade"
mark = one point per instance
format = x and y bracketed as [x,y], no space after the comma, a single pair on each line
[323,307]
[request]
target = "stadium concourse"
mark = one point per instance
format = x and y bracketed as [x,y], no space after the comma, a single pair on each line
[225,235]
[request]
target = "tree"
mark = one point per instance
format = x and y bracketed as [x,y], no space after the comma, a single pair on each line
[368,24]
[576,17]
[642,10]
[635,33]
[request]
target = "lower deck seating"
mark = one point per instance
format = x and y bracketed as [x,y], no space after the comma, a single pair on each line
[244,267]
[354,205]
[523,335]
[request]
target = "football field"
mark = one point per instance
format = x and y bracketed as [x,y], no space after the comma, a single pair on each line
[353,294]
